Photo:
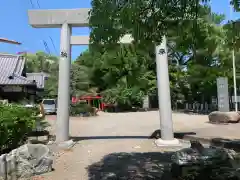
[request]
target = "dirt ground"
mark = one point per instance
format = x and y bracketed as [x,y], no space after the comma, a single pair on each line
[116,145]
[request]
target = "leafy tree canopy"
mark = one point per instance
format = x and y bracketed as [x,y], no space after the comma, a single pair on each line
[199,47]
[42,62]
[145,20]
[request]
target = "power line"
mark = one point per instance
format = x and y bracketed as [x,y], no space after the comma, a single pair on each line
[46,47]
[44,42]
[54,47]
[32,4]
[38,4]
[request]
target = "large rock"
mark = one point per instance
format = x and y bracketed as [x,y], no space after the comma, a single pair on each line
[206,162]
[217,117]
[26,161]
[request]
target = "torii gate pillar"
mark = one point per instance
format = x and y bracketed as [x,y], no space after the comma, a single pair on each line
[64,85]
[64,19]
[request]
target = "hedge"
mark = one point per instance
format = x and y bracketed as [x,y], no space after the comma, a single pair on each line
[78,109]
[15,123]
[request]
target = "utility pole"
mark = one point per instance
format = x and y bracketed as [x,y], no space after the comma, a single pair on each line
[234,68]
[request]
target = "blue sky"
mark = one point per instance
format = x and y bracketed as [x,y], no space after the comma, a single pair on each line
[14,24]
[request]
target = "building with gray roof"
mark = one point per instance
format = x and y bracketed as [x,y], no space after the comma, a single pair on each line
[14,81]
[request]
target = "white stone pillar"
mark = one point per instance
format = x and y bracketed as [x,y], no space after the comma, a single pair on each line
[62,131]
[164,99]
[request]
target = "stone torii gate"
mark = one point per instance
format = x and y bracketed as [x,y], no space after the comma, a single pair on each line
[68,18]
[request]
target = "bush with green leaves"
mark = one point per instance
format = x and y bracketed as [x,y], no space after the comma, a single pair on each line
[84,109]
[15,123]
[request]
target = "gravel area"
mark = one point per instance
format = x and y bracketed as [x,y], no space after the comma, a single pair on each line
[116,145]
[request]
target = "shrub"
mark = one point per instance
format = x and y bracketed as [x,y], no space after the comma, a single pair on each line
[15,123]
[78,109]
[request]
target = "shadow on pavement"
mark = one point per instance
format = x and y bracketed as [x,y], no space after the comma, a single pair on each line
[179,135]
[131,166]
[156,134]
[144,166]
[80,138]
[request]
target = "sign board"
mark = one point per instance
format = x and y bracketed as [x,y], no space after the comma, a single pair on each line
[223,98]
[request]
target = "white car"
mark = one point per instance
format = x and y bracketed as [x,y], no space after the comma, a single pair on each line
[50,106]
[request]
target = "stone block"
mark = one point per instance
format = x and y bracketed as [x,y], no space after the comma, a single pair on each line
[218,117]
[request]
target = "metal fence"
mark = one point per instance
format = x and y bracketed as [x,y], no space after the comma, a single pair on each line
[203,108]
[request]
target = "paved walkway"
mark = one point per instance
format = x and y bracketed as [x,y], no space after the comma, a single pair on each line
[230,131]
[113,145]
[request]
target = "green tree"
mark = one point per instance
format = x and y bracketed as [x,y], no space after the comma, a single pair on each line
[194,45]
[121,74]
[146,20]
[42,62]
[80,80]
